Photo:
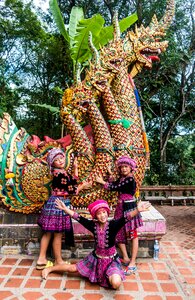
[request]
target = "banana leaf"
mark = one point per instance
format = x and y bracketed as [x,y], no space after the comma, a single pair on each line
[53,109]
[58,90]
[106,33]
[75,16]
[80,51]
[101,35]
[79,29]
[58,19]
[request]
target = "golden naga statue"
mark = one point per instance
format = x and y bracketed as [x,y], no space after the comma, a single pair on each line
[108,99]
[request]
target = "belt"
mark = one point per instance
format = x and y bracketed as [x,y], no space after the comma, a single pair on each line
[127,201]
[62,194]
[110,256]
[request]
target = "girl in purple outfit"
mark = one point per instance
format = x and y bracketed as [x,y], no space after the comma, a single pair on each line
[126,186]
[102,265]
[52,219]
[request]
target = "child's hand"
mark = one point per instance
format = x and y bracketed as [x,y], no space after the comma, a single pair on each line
[60,204]
[143,206]
[86,185]
[75,164]
[99,179]
[109,170]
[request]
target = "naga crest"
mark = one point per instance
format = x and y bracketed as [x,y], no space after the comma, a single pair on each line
[108,102]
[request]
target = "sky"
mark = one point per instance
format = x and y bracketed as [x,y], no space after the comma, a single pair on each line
[44,4]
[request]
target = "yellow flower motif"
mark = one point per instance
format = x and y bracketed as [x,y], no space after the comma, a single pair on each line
[67,97]
[9,175]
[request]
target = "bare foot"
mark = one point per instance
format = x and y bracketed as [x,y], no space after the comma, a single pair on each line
[62,262]
[132,264]
[125,262]
[46,272]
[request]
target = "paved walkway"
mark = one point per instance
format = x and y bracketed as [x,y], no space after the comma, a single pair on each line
[170,278]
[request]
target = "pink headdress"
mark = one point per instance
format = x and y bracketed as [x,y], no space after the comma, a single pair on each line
[52,155]
[93,207]
[126,160]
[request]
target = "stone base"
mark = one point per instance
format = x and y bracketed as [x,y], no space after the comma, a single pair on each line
[20,234]
[80,250]
[11,250]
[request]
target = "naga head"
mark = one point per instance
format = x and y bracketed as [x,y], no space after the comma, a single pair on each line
[100,81]
[99,73]
[143,46]
[76,99]
[71,103]
[113,55]
[82,98]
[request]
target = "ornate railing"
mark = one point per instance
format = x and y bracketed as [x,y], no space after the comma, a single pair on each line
[184,194]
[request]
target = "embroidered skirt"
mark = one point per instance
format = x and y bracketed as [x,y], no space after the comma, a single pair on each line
[125,204]
[53,219]
[100,269]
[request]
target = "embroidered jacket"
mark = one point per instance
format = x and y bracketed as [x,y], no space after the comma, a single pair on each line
[105,238]
[125,185]
[63,183]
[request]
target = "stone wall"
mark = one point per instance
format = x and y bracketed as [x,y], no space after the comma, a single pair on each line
[19,233]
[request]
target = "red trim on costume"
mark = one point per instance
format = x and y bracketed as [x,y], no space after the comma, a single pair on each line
[133,234]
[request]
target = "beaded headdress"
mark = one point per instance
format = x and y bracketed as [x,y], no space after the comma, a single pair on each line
[126,160]
[94,206]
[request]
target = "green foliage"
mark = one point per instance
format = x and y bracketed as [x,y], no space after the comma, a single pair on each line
[36,66]
[58,19]
[80,50]
[101,35]
[58,90]
[127,22]
[52,109]
[78,33]
[181,160]
[75,16]
[167,95]
[179,166]
[106,34]
[33,63]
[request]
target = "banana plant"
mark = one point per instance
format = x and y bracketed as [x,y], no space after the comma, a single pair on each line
[78,30]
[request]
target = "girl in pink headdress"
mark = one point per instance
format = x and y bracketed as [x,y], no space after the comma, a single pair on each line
[102,265]
[126,186]
[52,219]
